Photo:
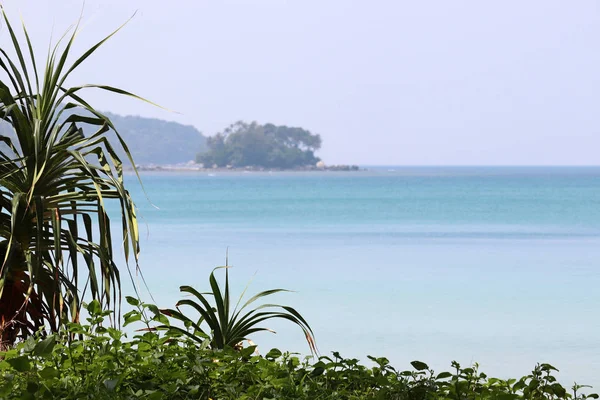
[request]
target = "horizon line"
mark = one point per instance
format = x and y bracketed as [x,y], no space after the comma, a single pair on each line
[477,165]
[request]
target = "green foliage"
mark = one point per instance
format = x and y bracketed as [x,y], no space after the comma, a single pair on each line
[90,361]
[54,182]
[229,327]
[269,146]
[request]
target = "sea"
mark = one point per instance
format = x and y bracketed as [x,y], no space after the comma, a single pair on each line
[498,266]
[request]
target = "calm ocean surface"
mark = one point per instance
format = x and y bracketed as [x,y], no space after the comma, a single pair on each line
[499,266]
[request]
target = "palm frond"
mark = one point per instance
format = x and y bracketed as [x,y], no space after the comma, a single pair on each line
[58,169]
[229,328]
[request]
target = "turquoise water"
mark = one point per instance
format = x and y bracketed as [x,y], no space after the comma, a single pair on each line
[494,265]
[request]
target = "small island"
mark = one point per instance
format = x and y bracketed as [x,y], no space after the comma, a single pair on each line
[252,146]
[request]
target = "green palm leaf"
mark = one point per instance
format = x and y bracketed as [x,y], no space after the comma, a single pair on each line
[58,169]
[230,328]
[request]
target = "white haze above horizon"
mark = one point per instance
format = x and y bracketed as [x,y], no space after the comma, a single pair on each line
[384,81]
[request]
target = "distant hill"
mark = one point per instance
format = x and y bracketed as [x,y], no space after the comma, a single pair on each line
[150,140]
[155,141]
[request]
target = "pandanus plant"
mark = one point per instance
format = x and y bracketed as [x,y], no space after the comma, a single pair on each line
[58,167]
[219,326]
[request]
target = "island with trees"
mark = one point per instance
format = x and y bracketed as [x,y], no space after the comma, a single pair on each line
[255,146]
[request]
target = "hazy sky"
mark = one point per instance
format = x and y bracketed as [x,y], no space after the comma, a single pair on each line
[383,82]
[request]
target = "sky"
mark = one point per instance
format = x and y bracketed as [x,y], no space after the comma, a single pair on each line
[384,82]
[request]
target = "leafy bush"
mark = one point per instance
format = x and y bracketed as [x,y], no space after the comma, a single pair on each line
[90,361]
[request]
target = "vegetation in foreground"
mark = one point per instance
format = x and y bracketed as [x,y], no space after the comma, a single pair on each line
[91,361]
[225,327]
[56,244]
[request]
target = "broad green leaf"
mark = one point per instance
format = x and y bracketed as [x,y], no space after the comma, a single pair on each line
[443,375]
[419,366]
[131,318]
[132,301]
[45,347]
[248,351]
[273,354]
[49,373]
[21,364]
[94,308]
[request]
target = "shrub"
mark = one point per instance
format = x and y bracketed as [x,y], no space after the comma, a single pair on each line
[90,361]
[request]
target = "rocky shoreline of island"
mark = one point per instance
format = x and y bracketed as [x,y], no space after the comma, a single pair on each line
[192,166]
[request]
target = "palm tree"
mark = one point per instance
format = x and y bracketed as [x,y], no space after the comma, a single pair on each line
[55,178]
